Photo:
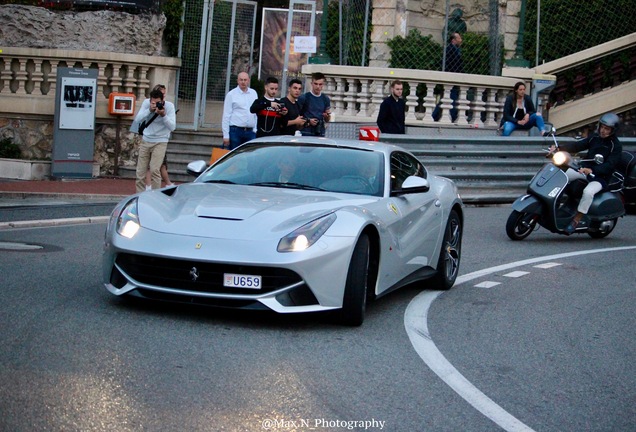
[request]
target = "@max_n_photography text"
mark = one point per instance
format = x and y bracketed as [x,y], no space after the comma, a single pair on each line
[320,423]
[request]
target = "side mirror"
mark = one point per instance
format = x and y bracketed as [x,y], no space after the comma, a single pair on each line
[599,159]
[195,168]
[412,184]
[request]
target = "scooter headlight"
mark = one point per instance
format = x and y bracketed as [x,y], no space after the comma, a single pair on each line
[561,158]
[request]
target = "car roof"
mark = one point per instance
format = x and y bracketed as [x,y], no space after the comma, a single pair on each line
[365,145]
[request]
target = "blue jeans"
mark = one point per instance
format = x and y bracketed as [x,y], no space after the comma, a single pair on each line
[240,135]
[534,120]
[437,112]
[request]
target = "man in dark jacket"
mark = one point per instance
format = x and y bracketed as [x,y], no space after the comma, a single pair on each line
[605,143]
[391,114]
[269,111]
[454,63]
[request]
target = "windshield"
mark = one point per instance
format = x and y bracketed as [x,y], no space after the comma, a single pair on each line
[311,167]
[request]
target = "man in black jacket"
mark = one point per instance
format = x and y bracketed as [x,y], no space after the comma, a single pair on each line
[605,143]
[454,63]
[269,111]
[391,113]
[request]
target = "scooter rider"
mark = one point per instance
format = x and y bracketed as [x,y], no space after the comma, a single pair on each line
[603,142]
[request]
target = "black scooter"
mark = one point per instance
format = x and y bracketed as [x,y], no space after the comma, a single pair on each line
[551,202]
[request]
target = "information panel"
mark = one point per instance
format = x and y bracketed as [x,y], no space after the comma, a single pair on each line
[77,105]
[74,121]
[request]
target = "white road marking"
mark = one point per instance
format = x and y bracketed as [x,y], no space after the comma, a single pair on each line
[547,265]
[516,274]
[487,284]
[416,325]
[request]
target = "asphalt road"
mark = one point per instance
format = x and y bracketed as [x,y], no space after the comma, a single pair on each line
[542,345]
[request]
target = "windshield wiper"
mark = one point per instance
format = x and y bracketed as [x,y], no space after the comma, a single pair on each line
[287,185]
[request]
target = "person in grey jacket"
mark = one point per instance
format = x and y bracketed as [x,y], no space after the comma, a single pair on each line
[160,120]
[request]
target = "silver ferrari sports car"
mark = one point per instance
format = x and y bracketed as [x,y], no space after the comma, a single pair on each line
[290,224]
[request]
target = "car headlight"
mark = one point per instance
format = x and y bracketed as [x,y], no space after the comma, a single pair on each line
[128,221]
[306,235]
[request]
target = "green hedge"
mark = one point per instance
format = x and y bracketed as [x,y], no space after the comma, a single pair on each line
[9,150]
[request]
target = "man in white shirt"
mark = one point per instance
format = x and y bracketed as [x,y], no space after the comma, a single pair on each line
[239,124]
[160,120]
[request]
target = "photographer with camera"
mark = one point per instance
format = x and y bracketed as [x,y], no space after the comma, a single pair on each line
[156,122]
[165,177]
[315,107]
[269,111]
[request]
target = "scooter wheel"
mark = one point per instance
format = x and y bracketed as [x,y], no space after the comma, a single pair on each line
[520,225]
[611,224]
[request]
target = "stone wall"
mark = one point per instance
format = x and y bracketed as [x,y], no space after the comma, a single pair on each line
[107,31]
[35,139]
[98,31]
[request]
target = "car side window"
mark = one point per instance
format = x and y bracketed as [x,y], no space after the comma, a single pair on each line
[404,165]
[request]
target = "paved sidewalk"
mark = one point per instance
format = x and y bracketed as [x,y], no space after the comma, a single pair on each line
[95,188]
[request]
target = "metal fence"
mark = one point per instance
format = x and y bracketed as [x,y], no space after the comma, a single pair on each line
[529,31]
[217,43]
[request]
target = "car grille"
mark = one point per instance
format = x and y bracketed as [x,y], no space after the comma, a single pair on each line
[176,274]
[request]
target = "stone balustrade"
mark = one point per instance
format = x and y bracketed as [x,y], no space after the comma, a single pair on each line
[28,77]
[357,92]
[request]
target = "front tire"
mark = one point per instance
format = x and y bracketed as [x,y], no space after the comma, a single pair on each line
[450,254]
[520,225]
[354,302]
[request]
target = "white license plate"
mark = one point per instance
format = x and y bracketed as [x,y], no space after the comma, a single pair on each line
[242,281]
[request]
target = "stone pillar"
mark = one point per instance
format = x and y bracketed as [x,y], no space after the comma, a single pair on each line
[510,23]
[389,20]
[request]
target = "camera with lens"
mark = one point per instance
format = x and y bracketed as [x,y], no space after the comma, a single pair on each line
[319,128]
[159,105]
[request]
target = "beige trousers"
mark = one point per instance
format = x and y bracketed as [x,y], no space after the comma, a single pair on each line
[150,157]
[590,190]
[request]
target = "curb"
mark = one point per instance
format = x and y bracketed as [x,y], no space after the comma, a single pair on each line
[53,222]
[60,195]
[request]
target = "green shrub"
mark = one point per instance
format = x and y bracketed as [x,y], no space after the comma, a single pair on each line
[597,21]
[9,150]
[476,54]
[407,52]
[173,10]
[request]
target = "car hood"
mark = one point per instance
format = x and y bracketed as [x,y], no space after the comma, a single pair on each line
[237,211]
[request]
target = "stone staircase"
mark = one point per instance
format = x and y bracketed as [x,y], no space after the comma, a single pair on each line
[486,170]
[184,147]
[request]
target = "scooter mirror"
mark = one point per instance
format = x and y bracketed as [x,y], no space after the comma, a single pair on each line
[599,159]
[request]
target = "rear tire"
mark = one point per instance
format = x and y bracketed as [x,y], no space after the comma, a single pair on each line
[450,254]
[520,225]
[354,302]
[602,234]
